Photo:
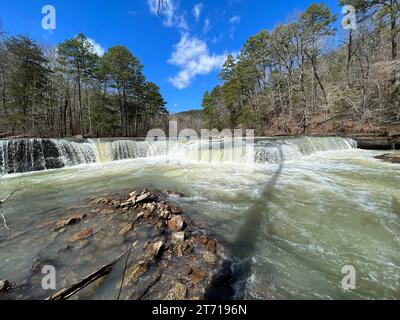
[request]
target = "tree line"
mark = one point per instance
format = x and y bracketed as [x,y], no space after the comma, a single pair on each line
[69,90]
[295,77]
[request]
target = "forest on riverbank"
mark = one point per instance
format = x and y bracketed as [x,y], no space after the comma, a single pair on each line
[296,80]
[70,90]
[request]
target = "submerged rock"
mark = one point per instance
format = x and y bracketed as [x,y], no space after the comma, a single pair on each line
[107,212]
[82,235]
[175,194]
[175,210]
[95,211]
[392,157]
[4,285]
[126,229]
[72,220]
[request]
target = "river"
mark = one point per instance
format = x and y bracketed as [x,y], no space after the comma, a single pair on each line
[291,220]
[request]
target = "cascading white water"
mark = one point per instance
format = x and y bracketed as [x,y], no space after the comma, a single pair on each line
[26,155]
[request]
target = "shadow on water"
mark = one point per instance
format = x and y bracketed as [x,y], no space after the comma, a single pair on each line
[244,246]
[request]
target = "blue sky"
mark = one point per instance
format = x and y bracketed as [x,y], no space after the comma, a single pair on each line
[182,50]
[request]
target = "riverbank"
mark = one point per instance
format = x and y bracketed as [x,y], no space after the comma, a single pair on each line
[162,254]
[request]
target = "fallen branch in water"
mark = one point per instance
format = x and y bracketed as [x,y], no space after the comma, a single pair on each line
[2,214]
[5,222]
[66,293]
[6,198]
[125,267]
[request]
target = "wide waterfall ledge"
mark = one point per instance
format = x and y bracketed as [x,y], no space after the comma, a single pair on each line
[26,155]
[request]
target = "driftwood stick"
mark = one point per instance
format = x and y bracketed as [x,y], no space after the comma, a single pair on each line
[66,293]
[5,222]
[125,267]
[8,197]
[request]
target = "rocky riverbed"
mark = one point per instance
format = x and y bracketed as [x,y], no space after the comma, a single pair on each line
[161,253]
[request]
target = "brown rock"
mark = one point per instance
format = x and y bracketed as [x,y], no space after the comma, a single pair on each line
[139,216]
[133,194]
[151,207]
[95,211]
[143,197]
[178,237]
[107,212]
[160,225]
[197,276]
[165,214]
[72,220]
[116,204]
[212,246]
[183,248]
[126,204]
[82,235]
[178,292]
[203,239]
[210,257]
[126,229]
[135,273]
[186,270]
[176,224]
[154,249]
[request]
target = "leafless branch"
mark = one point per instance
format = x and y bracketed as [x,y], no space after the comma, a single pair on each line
[81,284]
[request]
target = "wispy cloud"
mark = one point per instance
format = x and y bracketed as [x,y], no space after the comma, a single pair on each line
[198,8]
[234,23]
[171,17]
[207,26]
[97,48]
[193,57]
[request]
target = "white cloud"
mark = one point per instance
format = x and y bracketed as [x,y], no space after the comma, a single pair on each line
[234,22]
[169,13]
[198,8]
[97,48]
[207,26]
[192,56]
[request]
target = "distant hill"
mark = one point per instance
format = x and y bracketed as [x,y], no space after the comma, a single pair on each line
[192,119]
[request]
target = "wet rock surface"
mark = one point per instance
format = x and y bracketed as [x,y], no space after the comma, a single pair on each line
[162,254]
[392,157]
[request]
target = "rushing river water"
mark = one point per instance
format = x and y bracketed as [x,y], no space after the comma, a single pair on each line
[292,221]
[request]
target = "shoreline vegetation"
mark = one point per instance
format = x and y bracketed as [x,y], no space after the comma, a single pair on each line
[161,253]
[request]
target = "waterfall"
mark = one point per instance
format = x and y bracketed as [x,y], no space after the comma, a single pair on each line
[279,150]
[25,155]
